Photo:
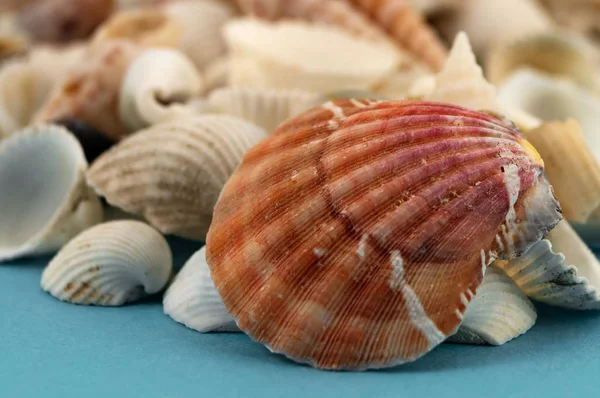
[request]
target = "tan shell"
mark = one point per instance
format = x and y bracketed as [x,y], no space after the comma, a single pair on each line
[147,27]
[576,15]
[91,89]
[173,173]
[461,81]
[216,74]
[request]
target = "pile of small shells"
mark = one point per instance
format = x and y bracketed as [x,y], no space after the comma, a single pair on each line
[371,179]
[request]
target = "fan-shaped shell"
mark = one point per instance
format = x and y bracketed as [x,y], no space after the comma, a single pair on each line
[173,173]
[202,24]
[499,312]
[62,21]
[290,55]
[91,89]
[111,264]
[355,235]
[158,86]
[144,26]
[553,53]
[461,81]
[545,275]
[263,107]
[193,300]
[44,200]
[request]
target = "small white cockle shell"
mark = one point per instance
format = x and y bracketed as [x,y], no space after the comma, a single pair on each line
[44,199]
[161,84]
[499,312]
[193,300]
[111,264]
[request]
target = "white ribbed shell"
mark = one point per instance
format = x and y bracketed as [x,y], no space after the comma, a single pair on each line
[111,264]
[499,312]
[44,200]
[173,173]
[267,108]
[193,300]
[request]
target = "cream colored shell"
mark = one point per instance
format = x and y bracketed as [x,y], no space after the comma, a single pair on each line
[193,300]
[290,55]
[109,265]
[266,108]
[499,312]
[216,74]
[44,200]
[160,85]
[173,173]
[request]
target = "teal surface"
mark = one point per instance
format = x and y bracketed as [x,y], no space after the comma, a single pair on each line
[53,349]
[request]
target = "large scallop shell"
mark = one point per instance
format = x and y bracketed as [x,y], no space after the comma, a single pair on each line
[290,55]
[407,26]
[202,24]
[145,26]
[161,84]
[44,200]
[62,21]
[356,234]
[545,275]
[499,312]
[461,81]
[91,90]
[263,107]
[173,173]
[111,264]
[193,300]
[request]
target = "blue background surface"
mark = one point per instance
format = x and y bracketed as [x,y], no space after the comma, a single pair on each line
[53,349]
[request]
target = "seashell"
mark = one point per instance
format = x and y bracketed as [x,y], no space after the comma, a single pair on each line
[263,107]
[333,12]
[576,15]
[553,53]
[550,99]
[60,21]
[406,25]
[11,46]
[93,142]
[499,312]
[216,74]
[44,199]
[202,24]
[433,7]
[461,81]
[110,264]
[157,87]
[570,166]
[544,274]
[193,300]
[355,235]
[490,21]
[292,55]
[172,173]
[403,83]
[90,92]
[145,27]
[523,120]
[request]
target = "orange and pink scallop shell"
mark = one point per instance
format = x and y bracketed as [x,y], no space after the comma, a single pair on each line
[355,235]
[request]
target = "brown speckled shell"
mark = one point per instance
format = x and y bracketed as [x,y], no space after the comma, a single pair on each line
[356,234]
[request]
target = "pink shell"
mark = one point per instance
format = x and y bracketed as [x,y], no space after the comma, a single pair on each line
[356,234]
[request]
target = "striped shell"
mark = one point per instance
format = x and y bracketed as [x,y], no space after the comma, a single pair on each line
[173,173]
[111,264]
[90,91]
[356,234]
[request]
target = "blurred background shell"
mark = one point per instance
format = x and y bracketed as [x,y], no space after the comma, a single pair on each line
[173,173]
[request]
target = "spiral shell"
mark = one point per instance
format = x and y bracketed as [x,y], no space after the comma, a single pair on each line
[173,173]
[159,86]
[265,108]
[290,55]
[499,312]
[193,300]
[91,89]
[44,200]
[110,265]
[355,235]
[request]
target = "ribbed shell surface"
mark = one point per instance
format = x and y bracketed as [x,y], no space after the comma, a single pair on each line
[356,234]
